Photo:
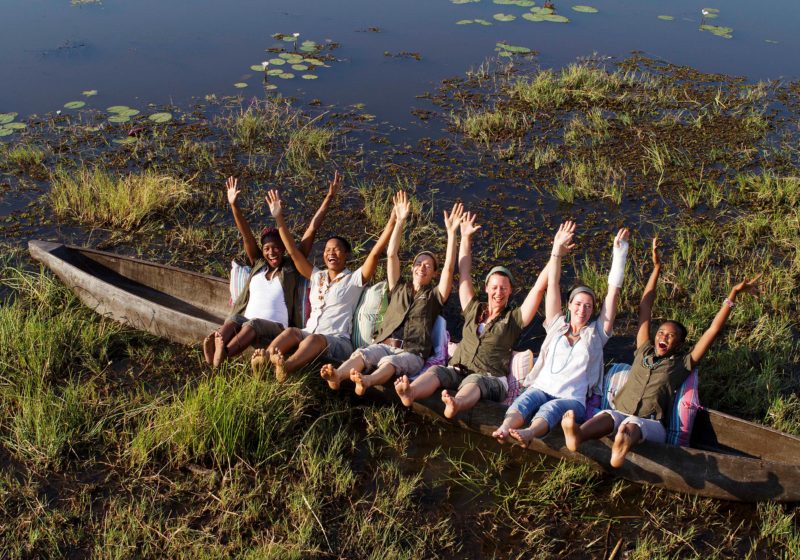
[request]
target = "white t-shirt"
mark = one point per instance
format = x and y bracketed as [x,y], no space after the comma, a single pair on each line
[333,302]
[266,300]
[566,371]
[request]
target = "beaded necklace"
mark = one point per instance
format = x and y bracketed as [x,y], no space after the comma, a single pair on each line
[650,363]
[553,359]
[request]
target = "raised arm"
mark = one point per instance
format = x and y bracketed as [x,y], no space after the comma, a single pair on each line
[616,275]
[452,223]
[307,241]
[466,291]
[534,298]
[708,338]
[648,297]
[401,210]
[371,262]
[248,239]
[562,244]
[300,260]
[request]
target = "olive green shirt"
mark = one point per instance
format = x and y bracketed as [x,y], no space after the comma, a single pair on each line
[416,313]
[489,352]
[648,393]
[289,277]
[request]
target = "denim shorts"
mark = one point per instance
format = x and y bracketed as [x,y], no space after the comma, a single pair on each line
[535,403]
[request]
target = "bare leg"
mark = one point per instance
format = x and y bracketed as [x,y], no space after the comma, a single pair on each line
[467,397]
[241,342]
[537,429]
[378,377]
[227,331]
[219,350]
[308,350]
[423,386]
[512,420]
[287,341]
[598,426]
[259,360]
[335,376]
[627,436]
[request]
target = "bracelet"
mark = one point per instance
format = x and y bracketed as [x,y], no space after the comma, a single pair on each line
[556,255]
[729,303]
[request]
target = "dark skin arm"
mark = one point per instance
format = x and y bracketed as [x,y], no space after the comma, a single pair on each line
[705,342]
[300,260]
[648,298]
[251,248]
[307,241]
[371,262]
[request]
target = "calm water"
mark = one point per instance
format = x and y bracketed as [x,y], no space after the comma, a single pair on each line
[136,52]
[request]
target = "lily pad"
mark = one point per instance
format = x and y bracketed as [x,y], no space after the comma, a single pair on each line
[118,109]
[240,85]
[585,9]
[464,1]
[289,39]
[274,72]
[513,48]
[483,22]
[89,92]
[161,117]
[16,125]
[286,75]
[257,68]
[294,59]
[74,104]
[666,18]
[313,62]
[7,117]
[718,30]
[504,17]
[5,131]
[269,87]
[128,113]
[119,119]
[465,21]
[299,67]
[277,61]
[771,41]
[309,44]
[309,77]
[541,11]
[309,49]
[555,18]
[710,13]
[533,17]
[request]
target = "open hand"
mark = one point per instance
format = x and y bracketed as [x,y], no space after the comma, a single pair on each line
[274,201]
[402,206]
[468,226]
[656,259]
[622,238]
[232,187]
[334,184]
[752,286]
[562,243]
[452,221]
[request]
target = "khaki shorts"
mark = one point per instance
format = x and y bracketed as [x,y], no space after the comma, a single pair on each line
[339,348]
[266,331]
[492,389]
[652,430]
[376,355]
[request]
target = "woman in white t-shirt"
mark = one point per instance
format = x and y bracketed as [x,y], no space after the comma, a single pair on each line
[570,363]
[266,306]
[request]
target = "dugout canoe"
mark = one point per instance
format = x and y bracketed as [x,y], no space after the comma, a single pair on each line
[729,458]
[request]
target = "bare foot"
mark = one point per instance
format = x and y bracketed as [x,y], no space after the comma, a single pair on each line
[220,352]
[524,437]
[277,362]
[572,433]
[450,404]
[363,382]
[328,373]
[259,360]
[403,388]
[501,433]
[622,444]
[208,348]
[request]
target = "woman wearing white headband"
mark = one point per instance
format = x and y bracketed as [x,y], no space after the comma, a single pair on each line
[569,367]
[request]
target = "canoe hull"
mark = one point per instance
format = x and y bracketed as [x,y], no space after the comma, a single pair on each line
[730,459]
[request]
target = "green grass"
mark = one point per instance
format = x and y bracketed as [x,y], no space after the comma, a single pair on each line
[307,144]
[96,197]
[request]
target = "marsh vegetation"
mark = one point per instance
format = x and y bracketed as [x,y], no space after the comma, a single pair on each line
[116,444]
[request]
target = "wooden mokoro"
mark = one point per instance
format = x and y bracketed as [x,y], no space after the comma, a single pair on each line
[729,458]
